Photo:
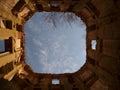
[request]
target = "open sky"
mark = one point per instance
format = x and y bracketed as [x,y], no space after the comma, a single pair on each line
[55,46]
[2,46]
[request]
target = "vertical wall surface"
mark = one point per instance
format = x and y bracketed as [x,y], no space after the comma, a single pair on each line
[101,70]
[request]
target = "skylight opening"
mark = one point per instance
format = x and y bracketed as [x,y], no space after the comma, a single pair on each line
[55,42]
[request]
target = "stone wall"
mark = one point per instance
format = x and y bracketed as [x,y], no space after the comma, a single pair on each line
[101,70]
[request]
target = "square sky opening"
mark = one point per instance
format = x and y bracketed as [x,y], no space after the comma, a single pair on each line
[55,42]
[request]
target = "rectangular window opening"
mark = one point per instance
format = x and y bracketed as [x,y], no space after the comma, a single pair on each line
[55,81]
[54,5]
[19,27]
[18,6]
[8,45]
[8,24]
[93,44]
[91,61]
[2,46]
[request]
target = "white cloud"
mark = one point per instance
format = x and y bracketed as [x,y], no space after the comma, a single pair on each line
[51,51]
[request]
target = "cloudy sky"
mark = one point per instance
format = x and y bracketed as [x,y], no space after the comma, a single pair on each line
[55,46]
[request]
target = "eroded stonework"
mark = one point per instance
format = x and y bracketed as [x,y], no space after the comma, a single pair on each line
[101,70]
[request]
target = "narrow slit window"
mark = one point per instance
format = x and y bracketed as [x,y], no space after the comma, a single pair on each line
[54,5]
[8,45]
[93,44]
[2,46]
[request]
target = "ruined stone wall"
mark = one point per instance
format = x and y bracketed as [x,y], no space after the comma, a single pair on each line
[101,70]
